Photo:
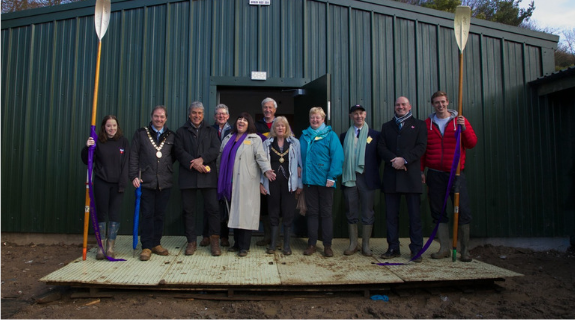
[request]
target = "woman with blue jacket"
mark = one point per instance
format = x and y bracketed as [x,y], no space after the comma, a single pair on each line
[283,152]
[322,158]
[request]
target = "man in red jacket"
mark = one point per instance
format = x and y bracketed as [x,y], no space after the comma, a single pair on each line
[438,158]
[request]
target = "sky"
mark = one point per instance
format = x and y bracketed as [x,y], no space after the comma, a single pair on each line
[557,14]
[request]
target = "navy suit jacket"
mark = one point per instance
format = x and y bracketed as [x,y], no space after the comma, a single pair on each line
[372,159]
[409,143]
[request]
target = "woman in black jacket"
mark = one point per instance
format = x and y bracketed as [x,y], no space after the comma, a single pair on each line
[110,177]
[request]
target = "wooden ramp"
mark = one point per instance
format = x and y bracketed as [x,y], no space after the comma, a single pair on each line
[269,272]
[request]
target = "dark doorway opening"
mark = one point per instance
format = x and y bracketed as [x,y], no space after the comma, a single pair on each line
[248,99]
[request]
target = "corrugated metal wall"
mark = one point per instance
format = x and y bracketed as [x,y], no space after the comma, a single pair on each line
[175,52]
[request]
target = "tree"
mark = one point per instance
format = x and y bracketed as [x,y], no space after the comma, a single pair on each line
[19,5]
[503,11]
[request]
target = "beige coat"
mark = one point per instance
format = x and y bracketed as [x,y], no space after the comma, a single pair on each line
[250,162]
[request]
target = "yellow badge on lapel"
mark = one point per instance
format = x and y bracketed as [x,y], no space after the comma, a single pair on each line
[369,140]
[248,142]
[318,138]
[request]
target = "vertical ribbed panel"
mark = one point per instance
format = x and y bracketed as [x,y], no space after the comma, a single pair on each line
[169,51]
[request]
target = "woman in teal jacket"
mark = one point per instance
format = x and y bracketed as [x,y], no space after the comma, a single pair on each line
[322,158]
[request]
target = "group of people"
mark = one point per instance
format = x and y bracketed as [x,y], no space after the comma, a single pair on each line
[250,171]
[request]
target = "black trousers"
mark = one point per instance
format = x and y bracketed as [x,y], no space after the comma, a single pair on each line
[242,238]
[392,201]
[319,200]
[224,230]
[152,211]
[211,211]
[108,200]
[281,202]
[436,188]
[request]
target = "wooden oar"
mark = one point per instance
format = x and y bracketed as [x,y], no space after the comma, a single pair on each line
[462,23]
[101,21]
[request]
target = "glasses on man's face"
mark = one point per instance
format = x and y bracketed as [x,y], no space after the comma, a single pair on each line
[221,114]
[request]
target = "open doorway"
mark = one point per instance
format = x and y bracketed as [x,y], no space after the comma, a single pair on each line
[248,99]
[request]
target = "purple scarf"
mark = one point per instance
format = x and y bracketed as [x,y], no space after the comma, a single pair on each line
[227,167]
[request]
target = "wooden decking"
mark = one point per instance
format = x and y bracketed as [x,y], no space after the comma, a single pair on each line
[272,272]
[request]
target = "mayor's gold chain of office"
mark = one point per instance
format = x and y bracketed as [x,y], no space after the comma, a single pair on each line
[280,154]
[159,153]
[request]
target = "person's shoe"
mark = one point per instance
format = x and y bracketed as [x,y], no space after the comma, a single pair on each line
[159,250]
[145,255]
[391,253]
[205,242]
[100,253]
[418,260]
[233,248]
[224,242]
[327,251]
[309,251]
[110,248]
[191,248]
[243,253]
[215,245]
[443,236]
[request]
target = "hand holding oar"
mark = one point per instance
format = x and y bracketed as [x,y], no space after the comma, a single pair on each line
[462,23]
[101,21]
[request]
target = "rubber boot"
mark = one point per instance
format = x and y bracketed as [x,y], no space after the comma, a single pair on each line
[464,242]
[267,232]
[215,245]
[353,245]
[444,243]
[365,236]
[100,254]
[274,238]
[287,248]
[113,228]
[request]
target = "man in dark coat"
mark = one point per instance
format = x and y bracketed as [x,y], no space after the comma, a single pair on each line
[402,143]
[360,178]
[197,147]
[263,127]
[151,157]
[221,116]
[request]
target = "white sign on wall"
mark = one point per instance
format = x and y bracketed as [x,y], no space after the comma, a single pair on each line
[259,75]
[260,2]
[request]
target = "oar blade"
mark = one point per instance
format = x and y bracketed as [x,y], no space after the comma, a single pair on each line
[462,23]
[102,17]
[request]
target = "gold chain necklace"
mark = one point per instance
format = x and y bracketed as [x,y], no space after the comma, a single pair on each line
[280,154]
[158,153]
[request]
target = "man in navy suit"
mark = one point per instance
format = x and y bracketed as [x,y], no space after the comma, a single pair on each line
[360,178]
[401,145]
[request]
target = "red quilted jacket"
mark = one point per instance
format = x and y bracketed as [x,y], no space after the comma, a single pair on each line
[440,149]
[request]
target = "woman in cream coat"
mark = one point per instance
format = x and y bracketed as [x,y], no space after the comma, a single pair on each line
[241,162]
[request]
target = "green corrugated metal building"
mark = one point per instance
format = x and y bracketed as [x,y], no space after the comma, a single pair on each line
[339,52]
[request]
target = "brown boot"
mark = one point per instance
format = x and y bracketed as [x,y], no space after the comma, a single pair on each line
[159,250]
[191,248]
[327,251]
[205,242]
[309,251]
[145,255]
[215,245]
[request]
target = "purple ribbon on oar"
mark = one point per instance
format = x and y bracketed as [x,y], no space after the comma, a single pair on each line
[91,191]
[454,165]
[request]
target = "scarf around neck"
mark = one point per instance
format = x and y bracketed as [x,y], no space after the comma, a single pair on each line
[227,166]
[399,121]
[354,160]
